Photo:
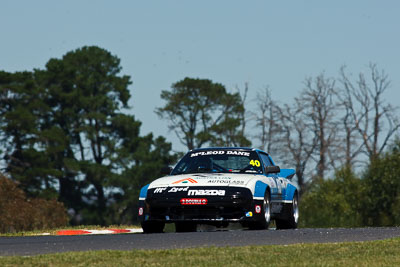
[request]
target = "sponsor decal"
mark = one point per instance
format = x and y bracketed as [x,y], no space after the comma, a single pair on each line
[226,181]
[159,190]
[220,152]
[185,181]
[249,214]
[206,193]
[193,201]
[219,181]
[211,177]
[140,211]
[205,153]
[258,209]
[237,182]
[238,153]
[178,189]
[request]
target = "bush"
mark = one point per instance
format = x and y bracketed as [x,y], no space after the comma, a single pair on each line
[382,190]
[332,202]
[18,213]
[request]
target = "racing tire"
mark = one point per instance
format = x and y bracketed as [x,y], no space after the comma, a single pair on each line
[181,227]
[291,215]
[153,227]
[266,212]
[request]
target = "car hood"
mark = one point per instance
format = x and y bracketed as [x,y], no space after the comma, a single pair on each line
[204,179]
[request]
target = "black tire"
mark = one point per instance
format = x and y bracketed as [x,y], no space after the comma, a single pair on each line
[153,227]
[266,212]
[181,227]
[291,214]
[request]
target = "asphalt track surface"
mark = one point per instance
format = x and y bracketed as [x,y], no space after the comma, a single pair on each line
[34,245]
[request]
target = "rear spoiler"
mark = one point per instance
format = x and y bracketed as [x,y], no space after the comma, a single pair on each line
[287,173]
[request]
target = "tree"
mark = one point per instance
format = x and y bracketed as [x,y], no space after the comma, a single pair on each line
[266,119]
[243,117]
[295,143]
[21,107]
[381,194]
[351,145]
[85,94]
[104,142]
[69,129]
[321,109]
[369,112]
[202,112]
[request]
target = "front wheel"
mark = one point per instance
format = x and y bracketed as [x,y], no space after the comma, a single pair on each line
[263,223]
[291,215]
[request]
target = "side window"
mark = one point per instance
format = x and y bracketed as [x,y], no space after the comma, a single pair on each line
[265,159]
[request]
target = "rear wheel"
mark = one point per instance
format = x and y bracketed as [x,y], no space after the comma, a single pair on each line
[152,227]
[181,227]
[266,212]
[291,215]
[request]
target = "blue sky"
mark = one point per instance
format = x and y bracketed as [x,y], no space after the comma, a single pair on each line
[264,43]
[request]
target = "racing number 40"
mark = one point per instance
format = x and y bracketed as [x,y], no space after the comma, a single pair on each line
[255,163]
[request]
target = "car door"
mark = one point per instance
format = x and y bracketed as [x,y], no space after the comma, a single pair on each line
[277,193]
[282,181]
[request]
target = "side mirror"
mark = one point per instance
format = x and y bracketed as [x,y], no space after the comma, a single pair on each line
[166,170]
[272,169]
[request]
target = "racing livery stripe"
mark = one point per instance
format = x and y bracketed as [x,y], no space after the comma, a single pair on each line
[259,190]
[143,192]
[290,192]
[281,201]
[275,201]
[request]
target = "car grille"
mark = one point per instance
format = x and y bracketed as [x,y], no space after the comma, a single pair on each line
[232,206]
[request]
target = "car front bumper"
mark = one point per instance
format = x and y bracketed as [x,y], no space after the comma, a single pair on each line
[236,205]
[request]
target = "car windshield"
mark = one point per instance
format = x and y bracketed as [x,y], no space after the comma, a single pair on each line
[219,161]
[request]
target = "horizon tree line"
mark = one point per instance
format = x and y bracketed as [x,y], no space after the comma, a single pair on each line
[65,135]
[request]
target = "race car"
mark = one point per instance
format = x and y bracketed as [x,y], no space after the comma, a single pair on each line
[218,186]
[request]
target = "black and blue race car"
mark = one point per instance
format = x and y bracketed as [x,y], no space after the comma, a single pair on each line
[218,186]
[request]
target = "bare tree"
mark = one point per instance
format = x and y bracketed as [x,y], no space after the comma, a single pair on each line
[374,119]
[265,120]
[318,97]
[296,143]
[351,142]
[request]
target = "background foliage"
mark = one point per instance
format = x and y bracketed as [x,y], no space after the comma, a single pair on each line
[66,133]
[350,201]
[19,213]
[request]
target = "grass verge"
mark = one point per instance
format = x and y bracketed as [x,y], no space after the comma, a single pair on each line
[374,253]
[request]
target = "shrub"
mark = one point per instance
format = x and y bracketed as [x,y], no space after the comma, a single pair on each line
[382,190]
[332,202]
[18,213]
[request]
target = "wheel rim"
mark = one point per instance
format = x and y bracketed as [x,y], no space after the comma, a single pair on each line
[295,209]
[267,211]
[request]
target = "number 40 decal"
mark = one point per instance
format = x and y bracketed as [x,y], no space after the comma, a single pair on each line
[255,163]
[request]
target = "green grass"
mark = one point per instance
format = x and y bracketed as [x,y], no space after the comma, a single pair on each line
[375,253]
